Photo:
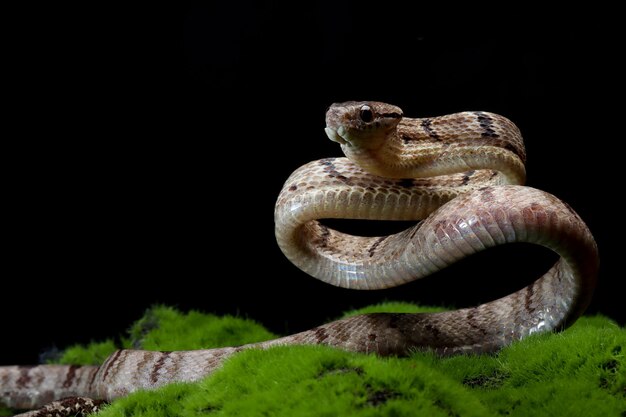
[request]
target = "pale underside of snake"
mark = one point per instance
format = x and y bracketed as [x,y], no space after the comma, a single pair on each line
[459,175]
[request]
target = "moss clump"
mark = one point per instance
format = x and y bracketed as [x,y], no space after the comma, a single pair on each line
[393,307]
[165,328]
[93,354]
[581,371]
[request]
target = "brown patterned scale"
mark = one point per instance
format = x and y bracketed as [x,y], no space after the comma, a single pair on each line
[459,174]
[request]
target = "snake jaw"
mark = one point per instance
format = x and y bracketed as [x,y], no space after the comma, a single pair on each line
[335,136]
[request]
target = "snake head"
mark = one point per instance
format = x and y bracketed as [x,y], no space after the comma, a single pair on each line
[364,124]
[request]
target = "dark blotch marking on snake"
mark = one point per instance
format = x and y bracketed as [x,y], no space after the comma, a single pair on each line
[486,194]
[406,183]
[467,177]
[110,363]
[487,124]
[324,236]
[428,129]
[320,334]
[154,375]
[331,170]
[471,320]
[415,229]
[407,138]
[92,380]
[397,322]
[530,292]
[69,378]
[373,248]
[432,330]
[24,378]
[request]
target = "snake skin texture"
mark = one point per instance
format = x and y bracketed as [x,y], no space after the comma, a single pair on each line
[458,176]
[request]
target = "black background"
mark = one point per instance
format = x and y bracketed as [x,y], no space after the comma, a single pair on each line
[153,144]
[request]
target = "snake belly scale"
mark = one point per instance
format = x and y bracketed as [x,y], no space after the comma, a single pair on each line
[459,175]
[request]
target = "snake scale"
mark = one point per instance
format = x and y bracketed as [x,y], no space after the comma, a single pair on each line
[459,175]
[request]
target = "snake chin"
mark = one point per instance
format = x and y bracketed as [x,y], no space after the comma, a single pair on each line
[336,135]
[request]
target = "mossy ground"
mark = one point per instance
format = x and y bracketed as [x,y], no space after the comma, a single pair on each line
[578,372]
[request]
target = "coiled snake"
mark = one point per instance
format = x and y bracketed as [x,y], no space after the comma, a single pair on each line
[455,173]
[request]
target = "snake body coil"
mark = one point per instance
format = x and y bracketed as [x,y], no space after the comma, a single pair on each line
[459,174]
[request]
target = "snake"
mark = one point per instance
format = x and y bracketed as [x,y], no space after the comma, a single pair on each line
[459,177]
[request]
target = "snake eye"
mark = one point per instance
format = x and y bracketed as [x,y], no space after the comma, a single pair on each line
[366,114]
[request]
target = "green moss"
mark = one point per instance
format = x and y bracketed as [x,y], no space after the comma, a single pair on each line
[93,354]
[578,372]
[165,328]
[394,307]
[5,411]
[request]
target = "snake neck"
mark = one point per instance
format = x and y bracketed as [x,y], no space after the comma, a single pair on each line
[414,150]
[376,161]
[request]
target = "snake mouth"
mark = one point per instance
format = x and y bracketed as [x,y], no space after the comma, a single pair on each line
[337,135]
